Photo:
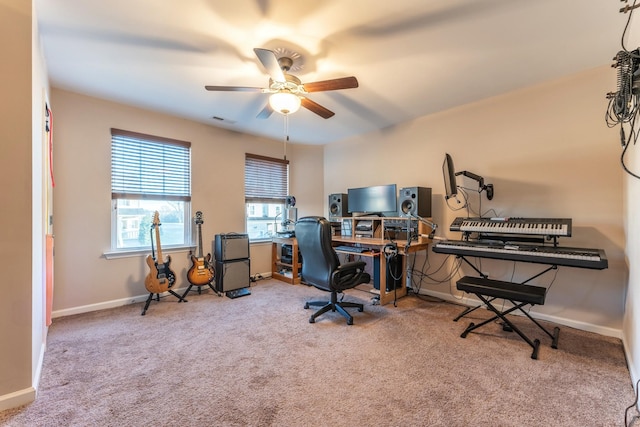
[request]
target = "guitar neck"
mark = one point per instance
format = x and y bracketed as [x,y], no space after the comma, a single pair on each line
[200,241]
[159,258]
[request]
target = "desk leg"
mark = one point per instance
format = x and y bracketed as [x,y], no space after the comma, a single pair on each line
[295,275]
[274,258]
[387,297]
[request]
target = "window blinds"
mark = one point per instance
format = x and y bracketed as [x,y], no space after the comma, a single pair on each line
[266,179]
[149,167]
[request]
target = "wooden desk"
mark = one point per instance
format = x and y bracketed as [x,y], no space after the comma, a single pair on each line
[378,244]
[377,241]
[276,260]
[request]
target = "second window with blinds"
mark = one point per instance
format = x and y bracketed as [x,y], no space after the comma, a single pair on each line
[266,188]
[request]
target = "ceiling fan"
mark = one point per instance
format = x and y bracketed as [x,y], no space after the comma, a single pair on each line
[288,93]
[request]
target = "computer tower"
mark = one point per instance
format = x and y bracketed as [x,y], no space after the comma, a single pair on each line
[393,272]
[232,275]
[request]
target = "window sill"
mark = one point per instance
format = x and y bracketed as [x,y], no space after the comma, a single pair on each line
[144,252]
[261,241]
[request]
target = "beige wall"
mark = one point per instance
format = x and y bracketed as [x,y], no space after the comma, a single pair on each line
[23,85]
[548,152]
[632,222]
[15,172]
[84,279]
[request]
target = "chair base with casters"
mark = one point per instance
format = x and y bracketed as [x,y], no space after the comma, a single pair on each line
[333,305]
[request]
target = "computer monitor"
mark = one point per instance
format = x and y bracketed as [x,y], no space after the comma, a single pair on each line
[449,174]
[451,187]
[380,199]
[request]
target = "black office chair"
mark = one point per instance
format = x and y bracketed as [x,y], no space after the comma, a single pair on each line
[321,267]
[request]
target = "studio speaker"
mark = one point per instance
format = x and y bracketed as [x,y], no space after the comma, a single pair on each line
[414,201]
[338,206]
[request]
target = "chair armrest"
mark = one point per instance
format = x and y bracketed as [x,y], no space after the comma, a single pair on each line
[348,275]
[351,266]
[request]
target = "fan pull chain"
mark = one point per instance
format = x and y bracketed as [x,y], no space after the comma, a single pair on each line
[286,134]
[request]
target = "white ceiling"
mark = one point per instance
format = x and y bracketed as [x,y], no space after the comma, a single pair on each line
[411,57]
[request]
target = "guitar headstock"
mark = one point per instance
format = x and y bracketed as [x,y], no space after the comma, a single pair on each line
[156,219]
[198,218]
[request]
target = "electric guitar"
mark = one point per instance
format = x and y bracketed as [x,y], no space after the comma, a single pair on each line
[160,278]
[201,272]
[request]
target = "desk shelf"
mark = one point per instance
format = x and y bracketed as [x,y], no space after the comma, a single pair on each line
[381,229]
[286,272]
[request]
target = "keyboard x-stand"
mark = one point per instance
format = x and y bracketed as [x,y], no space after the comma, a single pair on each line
[517,239]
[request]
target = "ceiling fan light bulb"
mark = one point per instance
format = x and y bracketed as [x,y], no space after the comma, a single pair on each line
[284,102]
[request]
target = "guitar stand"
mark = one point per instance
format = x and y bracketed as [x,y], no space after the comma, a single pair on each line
[150,297]
[200,289]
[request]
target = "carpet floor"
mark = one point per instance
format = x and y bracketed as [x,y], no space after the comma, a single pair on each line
[257,361]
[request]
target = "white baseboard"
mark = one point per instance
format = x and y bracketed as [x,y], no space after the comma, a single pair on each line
[123,301]
[108,304]
[635,377]
[17,398]
[38,372]
[583,326]
[27,395]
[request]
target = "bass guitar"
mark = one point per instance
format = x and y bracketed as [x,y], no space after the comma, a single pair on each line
[160,277]
[201,271]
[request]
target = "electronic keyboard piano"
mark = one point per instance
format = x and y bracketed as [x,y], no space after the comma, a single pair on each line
[556,227]
[550,255]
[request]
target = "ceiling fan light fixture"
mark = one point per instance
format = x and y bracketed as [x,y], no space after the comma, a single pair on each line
[284,102]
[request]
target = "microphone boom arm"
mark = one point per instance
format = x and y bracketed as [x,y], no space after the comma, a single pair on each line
[432,225]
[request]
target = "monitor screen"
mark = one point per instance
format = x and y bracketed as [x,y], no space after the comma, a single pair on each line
[380,199]
[449,174]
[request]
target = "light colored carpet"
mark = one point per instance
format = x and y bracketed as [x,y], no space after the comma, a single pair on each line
[257,361]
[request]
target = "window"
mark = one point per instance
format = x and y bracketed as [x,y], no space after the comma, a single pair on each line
[266,185]
[148,174]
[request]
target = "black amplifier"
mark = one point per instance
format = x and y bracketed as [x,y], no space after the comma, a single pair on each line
[232,275]
[231,246]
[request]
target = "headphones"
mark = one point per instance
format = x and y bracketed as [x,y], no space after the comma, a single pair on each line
[390,250]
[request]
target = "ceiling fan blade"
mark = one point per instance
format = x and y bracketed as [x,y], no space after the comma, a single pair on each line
[234,89]
[266,112]
[335,84]
[316,108]
[270,63]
